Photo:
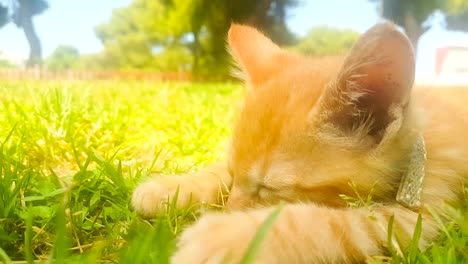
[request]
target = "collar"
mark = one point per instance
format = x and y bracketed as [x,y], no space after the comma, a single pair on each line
[409,192]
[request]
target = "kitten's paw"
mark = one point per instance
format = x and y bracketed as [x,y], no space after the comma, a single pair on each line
[217,238]
[152,197]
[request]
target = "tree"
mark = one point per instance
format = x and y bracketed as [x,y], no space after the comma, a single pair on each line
[324,40]
[458,21]
[64,57]
[4,64]
[457,15]
[411,14]
[21,13]
[3,15]
[146,30]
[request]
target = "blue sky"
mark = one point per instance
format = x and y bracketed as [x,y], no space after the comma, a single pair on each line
[72,22]
[65,22]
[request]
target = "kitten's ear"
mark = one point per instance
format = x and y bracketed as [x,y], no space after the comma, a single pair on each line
[256,55]
[373,84]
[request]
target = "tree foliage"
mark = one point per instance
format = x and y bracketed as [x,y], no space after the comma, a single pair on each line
[63,58]
[324,40]
[457,15]
[155,34]
[5,64]
[3,15]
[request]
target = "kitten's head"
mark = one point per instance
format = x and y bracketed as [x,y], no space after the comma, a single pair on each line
[309,127]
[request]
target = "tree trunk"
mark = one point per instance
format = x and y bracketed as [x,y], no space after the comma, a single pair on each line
[196,50]
[26,22]
[400,12]
[258,18]
[413,29]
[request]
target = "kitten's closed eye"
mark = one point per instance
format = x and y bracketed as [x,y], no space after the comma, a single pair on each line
[274,194]
[265,193]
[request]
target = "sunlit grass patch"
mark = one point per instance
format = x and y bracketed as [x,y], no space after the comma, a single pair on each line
[71,153]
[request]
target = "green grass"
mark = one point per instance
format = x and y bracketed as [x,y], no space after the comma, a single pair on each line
[72,152]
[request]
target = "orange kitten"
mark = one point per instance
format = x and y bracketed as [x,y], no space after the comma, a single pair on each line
[308,131]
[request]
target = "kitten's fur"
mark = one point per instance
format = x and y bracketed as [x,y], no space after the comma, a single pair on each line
[307,130]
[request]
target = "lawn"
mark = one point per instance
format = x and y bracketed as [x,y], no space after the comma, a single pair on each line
[72,152]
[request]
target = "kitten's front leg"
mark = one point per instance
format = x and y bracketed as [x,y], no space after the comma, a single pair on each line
[205,186]
[301,234]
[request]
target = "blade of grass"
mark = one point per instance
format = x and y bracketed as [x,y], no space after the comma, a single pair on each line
[28,234]
[254,247]
[61,244]
[4,257]
[391,242]
[413,250]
